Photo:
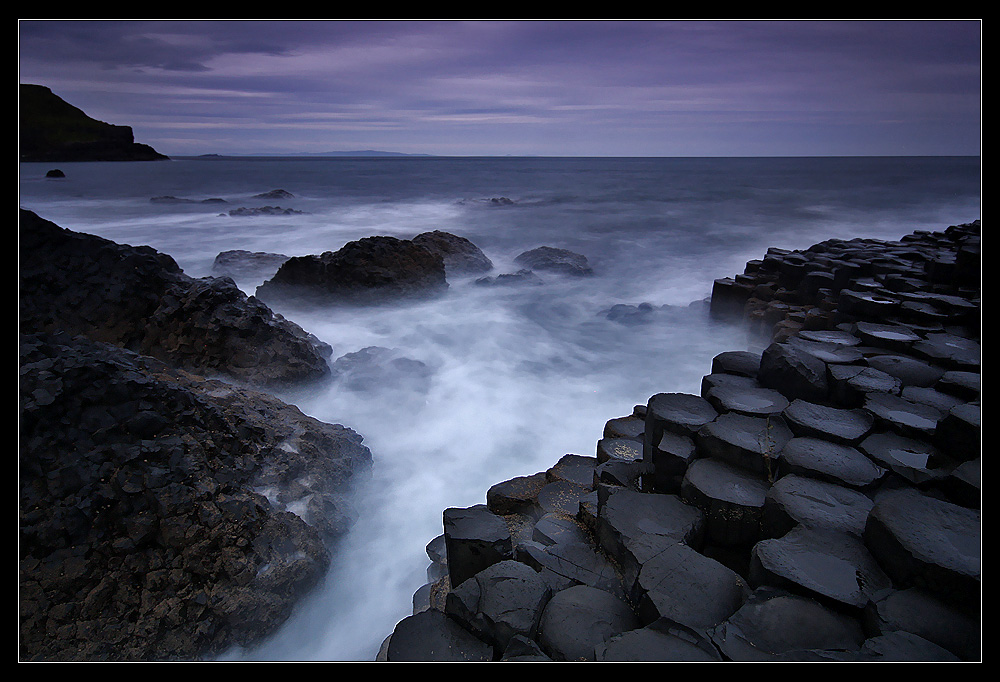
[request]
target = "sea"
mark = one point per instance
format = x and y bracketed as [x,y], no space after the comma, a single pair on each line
[515,377]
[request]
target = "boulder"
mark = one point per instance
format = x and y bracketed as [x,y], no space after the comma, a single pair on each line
[241,264]
[434,637]
[367,271]
[794,373]
[500,602]
[460,256]
[475,538]
[523,276]
[579,619]
[551,259]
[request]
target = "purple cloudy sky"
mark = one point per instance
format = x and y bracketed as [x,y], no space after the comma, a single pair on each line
[557,87]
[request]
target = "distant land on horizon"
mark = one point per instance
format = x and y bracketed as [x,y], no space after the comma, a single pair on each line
[373,152]
[365,152]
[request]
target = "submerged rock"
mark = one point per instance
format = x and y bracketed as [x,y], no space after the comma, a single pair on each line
[551,259]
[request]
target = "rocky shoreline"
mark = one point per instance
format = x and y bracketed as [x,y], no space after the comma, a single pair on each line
[169,507]
[818,501]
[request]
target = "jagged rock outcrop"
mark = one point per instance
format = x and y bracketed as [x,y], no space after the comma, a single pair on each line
[52,130]
[156,516]
[163,514]
[818,501]
[140,299]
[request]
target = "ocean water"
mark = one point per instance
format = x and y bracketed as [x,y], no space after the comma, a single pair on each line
[516,376]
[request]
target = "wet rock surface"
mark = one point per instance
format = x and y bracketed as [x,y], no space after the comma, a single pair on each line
[169,507]
[818,501]
[156,506]
[371,270]
[139,299]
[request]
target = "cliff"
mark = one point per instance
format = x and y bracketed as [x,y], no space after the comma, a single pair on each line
[52,130]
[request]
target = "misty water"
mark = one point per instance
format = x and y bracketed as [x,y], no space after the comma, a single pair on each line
[518,376]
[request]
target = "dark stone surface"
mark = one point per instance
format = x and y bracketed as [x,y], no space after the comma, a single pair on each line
[363,272]
[551,259]
[460,256]
[857,528]
[580,618]
[154,506]
[476,538]
[139,299]
[432,636]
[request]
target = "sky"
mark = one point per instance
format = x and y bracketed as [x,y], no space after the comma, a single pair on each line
[522,87]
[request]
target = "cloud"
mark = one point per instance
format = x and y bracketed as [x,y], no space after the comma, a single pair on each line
[438,78]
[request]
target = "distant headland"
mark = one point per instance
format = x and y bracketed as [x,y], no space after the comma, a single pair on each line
[53,130]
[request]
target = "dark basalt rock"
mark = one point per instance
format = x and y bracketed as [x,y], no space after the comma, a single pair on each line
[460,256]
[838,425]
[909,370]
[169,199]
[740,362]
[550,259]
[903,416]
[858,527]
[751,443]
[580,618]
[850,385]
[829,565]
[154,506]
[799,500]
[274,194]
[794,373]
[659,641]
[366,271]
[731,499]
[634,526]
[253,211]
[749,400]
[433,636]
[475,538]
[375,369]
[241,264]
[500,602]
[140,300]
[773,624]
[687,588]
[932,544]
[919,612]
[833,462]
